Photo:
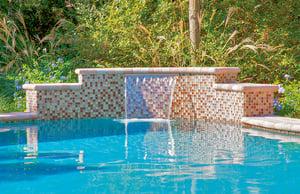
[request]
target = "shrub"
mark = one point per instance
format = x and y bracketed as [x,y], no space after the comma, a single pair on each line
[155,33]
[40,16]
[18,48]
[287,100]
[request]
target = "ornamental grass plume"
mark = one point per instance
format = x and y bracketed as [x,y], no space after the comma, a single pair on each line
[18,47]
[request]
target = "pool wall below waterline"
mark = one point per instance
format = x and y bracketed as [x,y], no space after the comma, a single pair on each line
[209,93]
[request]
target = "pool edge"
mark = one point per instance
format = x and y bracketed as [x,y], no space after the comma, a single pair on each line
[272,123]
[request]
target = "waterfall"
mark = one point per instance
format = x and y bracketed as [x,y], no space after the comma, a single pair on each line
[172,85]
[149,96]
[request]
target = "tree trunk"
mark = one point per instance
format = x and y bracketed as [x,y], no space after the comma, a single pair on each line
[194,14]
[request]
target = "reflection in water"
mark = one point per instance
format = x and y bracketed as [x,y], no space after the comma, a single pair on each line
[171,140]
[30,135]
[197,141]
[32,142]
[196,144]
[182,155]
[11,172]
[209,143]
[200,142]
[269,135]
[80,159]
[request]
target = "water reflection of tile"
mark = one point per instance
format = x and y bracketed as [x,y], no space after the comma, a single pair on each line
[45,131]
[210,142]
[269,135]
[199,142]
[32,140]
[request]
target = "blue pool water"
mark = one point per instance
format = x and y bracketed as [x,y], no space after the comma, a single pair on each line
[94,156]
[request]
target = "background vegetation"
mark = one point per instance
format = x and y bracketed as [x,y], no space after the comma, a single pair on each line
[44,42]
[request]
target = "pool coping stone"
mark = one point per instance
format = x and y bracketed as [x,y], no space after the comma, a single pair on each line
[56,86]
[273,123]
[243,87]
[18,116]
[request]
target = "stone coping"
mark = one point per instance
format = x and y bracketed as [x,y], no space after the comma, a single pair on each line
[273,123]
[58,86]
[160,70]
[242,87]
[17,116]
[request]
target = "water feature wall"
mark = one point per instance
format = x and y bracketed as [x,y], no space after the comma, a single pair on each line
[177,93]
[149,96]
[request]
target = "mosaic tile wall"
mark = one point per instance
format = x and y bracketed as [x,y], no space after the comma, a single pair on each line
[225,78]
[258,103]
[195,98]
[174,96]
[31,100]
[102,96]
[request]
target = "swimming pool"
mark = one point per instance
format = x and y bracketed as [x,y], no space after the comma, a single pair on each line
[114,156]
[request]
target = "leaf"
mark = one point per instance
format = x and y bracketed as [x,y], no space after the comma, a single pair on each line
[203,54]
[229,15]
[181,26]
[135,38]
[246,40]
[257,7]
[265,47]
[145,29]
[263,66]
[3,38]
[230,50]
[231,36]
[252,47]
[137,56]
[212,16]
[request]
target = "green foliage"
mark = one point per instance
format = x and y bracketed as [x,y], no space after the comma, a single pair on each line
[5,86]
[287,100]
[133,33]
[18,105]
[273,26]
[11,95]
[40,16]
[57,72]
[18,47]
[155,33]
